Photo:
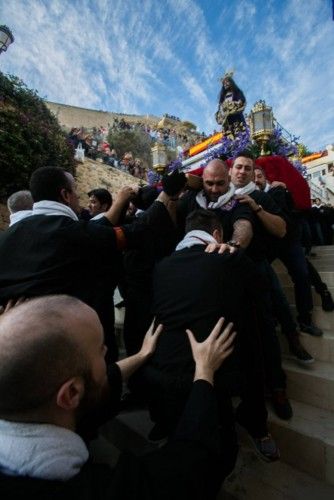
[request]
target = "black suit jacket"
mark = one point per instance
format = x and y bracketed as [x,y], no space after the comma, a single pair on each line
[193,289]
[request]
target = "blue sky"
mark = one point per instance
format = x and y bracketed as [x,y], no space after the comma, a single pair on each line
[155,57]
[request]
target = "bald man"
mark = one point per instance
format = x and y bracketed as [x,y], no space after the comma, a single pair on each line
[53,374]
[218,195]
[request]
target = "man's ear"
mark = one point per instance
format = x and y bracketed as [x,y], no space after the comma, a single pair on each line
[217,234]
[70,393]
[64,196]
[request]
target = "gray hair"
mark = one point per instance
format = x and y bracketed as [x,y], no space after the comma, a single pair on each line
[21,200]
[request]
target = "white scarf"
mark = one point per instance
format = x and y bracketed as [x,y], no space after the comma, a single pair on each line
[98,216]
[249,188]
[42,451]
[20,215]
[222,200]
[48,207]
[195,237]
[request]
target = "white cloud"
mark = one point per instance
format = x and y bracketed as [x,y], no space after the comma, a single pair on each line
[245,11]
[152,57]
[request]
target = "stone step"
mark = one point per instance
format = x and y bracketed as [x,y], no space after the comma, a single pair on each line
[253,479]
[290,295]
[326,276]
[323,319]
[320,264]
[326,257]
[311,384]
[323,249]
[307,440]
[321,348]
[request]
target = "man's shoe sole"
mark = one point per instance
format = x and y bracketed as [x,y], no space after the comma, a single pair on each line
[301,361]
[259,454]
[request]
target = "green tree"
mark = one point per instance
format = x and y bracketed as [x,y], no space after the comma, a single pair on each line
[188,125]
[30,136]
[136,141]
[303,150]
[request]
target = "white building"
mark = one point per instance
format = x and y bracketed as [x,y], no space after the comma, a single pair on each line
[320,174]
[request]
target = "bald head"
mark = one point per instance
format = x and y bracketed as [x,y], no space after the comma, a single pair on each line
[215,179]
[215,167]
[42,344]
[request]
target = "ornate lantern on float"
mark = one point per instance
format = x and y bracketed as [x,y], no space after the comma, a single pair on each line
[6,38]
[261,124]
[159,158]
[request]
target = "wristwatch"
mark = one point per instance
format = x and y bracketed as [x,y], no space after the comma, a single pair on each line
[259,208]
[232,243]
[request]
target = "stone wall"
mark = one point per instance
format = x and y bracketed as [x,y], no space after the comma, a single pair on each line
[89,175]
[73,116]
[92,174]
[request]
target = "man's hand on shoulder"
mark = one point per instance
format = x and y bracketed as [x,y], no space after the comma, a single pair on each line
[220,248]
[210,354]
[245,198]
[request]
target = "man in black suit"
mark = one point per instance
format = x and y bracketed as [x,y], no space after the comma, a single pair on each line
[192,289]
[52,251]
[218,195]
[53,375]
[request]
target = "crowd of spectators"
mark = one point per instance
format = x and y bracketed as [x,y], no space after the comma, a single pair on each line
[95,143]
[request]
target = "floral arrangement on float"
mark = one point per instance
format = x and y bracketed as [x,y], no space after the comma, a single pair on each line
[278,157]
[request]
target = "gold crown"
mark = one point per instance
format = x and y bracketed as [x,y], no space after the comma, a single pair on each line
[228,74]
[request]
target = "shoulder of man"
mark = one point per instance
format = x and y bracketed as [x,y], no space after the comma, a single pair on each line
[267,201]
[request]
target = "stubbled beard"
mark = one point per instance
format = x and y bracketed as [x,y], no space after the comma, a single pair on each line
[95,397]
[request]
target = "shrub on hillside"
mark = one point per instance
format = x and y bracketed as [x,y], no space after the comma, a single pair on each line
[30,136]
[137,141]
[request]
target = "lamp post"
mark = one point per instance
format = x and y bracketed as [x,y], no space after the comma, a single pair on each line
[159,158]
[6,38]
[261,124]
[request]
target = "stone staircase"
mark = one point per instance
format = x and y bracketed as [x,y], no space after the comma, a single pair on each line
[306,469]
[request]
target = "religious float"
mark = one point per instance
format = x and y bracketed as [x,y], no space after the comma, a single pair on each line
[259,133]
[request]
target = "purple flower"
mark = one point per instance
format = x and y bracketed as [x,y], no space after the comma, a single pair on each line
[153,177]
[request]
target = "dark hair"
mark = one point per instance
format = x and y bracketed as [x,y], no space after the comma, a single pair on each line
[203,220]
[246,154]
[102,195]
[238,94]
[257,167]
[46,183]
[145,196]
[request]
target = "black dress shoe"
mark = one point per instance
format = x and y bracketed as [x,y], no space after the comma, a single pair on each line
[311,329]
[281,404]
[327,301]
[300,353]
